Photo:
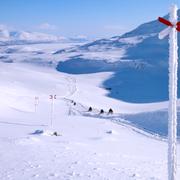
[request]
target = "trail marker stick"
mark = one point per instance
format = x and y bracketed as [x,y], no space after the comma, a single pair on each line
[36,102]
[173,27]
[52,97]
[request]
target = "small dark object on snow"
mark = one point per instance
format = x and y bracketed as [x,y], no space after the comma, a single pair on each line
[38,132]
[74,103]
[90,109]
[108,88]
[55,133]
[110,111]
[109,132]
[101,111]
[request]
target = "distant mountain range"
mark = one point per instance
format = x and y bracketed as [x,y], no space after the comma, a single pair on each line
[19,37]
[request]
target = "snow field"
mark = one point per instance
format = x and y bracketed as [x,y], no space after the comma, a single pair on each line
[87,148]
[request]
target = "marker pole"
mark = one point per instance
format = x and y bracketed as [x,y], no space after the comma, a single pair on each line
[172,113]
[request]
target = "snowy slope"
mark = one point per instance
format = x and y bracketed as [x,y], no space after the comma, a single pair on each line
[126,73]
[87,148]
[142,79]
[131,80]
[138,58]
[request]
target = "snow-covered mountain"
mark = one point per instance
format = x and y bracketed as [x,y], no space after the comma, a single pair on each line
[138,58]
[24,36]
[128,144]
[144,36]
[15,37]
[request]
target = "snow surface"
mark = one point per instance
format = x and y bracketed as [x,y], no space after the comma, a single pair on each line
[130,144]
[88,147]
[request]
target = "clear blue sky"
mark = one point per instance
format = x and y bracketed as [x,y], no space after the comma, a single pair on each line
[93,18]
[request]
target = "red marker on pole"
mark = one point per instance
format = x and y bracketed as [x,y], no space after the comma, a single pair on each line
[168,23]
[178,26]
[165,22]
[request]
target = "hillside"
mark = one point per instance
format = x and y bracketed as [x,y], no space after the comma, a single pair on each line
[88,145]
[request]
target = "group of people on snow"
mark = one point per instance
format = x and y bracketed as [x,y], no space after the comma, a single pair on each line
[101,111]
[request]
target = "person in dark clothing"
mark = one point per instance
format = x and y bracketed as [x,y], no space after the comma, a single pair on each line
[74,103]
[90,109]
[110,111]
[55,133]
[101,111]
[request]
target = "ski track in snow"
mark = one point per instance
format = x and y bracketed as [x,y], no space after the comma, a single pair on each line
[90,146]
[82,110]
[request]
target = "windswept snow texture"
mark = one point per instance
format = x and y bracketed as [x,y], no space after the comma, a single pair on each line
[86,148]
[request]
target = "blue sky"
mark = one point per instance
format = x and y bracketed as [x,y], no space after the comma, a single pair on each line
[92,18]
